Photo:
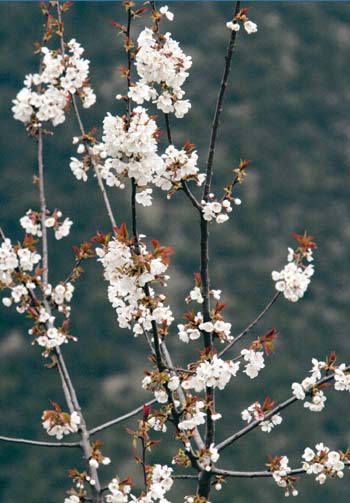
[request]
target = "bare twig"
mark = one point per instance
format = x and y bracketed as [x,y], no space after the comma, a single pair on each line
[119,419]
[252,475]
[38,442]
[219,109]
[251,325]
[184,476]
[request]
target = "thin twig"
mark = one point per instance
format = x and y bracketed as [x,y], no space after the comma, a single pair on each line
[184,476]
[184,184]
[39,443]
[42,207]
[119,419]
[219,109]
[252,475]
[95,166]
[204,481]
[251,325]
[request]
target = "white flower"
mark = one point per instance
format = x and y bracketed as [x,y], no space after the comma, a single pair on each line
[214,374]
[207,326]
[30,224]
[255,362]
[318,402]
[233,26]
[220,219]
[64,229]
[298,391]
[174,383]
[78,169]
[166,12]
[7,301]
[94,463]
[72,499]
[341,379]
[293,280]
[161,396]
[250,27]
[194,419]
[196,295]
[144,197]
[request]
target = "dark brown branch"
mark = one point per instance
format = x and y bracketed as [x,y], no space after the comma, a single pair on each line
[205,477]
[184,184]
[119,419]
[251,325]
[219,109]
[230,440]
[184,476]
[39,443]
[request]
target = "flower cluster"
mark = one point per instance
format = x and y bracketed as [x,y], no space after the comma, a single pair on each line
[155,382]
[241,16]
[255,362]
[162,69]
[324,463]
[342,378]
[214,210]
[31,223]
[128,273]
[280,470]
[257,412]
[119,491]
[178,166]
[212,374]
[58,423]
[96,457]
[130,148]
[208,456]
[217,326]
[308,385]
[311,386]
[61,77]
[12,258]
[193,414]
[294,279]
[16,264]
[159,482]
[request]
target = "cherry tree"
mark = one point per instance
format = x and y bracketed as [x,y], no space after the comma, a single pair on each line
[130,156]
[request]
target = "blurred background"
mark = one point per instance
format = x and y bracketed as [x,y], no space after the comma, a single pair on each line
[287,109]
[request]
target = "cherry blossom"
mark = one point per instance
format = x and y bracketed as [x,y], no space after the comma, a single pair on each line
[58,423]
[61,77]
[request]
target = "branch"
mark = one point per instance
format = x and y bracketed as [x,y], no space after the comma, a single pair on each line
[184,476]
[184,184]
[43,206]
[230,440]
[119,419]
[219,109]
[95,166]
[39,443]
[204,480]
[252,475]
[252,324]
